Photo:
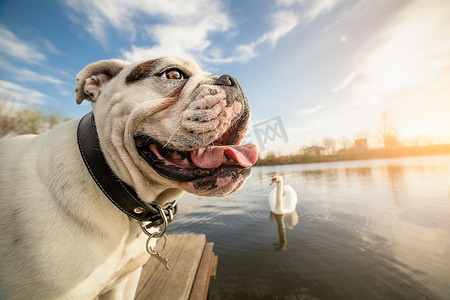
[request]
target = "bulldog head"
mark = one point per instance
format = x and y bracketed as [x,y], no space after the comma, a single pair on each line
[164,123]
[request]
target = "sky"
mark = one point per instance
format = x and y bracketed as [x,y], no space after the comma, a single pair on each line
[310,69]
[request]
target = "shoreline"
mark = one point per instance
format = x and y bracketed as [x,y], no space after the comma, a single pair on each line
[350,155]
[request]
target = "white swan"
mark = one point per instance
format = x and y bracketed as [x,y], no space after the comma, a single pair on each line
[283,198]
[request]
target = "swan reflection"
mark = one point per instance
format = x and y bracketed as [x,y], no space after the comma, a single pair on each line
[287,220]
[283,202]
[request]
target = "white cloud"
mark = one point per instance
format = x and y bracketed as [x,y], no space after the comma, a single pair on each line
[180,27]
[18,49]
[289,2]
[312,9]
[50,47]
[344,83]
[282,23]
[310,111]
[27,75]
[31,76]
[126,17]
[18,93]
[189,39]
[320,7]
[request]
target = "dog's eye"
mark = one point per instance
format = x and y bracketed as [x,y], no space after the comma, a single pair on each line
[172,74]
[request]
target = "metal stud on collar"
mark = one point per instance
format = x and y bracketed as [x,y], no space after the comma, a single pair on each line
[138,210]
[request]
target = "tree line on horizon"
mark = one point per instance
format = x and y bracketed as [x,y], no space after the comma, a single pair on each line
[388,141]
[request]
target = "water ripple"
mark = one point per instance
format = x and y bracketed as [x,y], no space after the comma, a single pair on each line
[364,231]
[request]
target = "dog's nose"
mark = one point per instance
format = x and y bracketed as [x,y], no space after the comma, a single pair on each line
[226,80]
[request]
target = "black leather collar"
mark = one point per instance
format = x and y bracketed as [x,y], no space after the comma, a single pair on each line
[118,192]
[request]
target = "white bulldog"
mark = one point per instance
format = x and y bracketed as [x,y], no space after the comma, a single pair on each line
[164,127]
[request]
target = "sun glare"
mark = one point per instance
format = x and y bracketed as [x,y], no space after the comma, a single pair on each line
[411,49]
[408,70]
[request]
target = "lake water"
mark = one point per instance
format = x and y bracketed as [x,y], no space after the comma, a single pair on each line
[374,229]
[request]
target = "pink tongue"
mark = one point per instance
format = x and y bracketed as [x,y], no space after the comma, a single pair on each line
[211,157]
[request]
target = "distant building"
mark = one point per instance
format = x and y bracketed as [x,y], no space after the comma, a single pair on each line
[360,145]
[313,150]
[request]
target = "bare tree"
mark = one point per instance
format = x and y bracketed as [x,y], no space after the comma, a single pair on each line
[389,132]
[329,144]
[346,143]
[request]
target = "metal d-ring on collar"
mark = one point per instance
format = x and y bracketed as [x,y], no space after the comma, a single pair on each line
[160,234]
[156,234]
[171,210]
[123,196]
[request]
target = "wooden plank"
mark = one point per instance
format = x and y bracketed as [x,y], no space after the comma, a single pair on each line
[214,264]
[184,252]
[201,283]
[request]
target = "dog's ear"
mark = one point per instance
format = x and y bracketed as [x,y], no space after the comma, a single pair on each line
[93,78]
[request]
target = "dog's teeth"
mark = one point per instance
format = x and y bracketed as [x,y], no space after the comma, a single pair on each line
[186,161]
[174,154]
[224,160]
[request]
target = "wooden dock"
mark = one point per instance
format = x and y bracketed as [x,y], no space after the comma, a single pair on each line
[192,263]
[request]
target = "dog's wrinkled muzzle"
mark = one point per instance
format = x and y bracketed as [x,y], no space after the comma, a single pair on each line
[206,150]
